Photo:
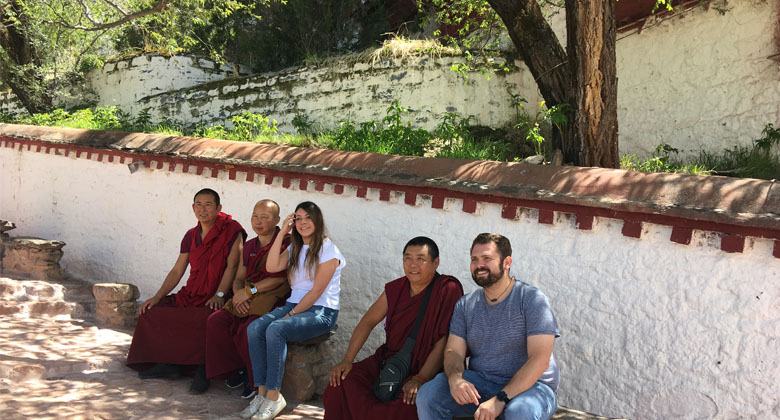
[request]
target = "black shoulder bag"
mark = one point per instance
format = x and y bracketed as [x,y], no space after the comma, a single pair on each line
[396,369]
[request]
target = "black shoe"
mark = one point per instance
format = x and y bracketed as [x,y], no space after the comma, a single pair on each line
[161,370]
[249,392]
[199,383]
[237,380]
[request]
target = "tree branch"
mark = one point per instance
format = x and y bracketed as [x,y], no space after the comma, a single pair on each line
[85,6]
[126,17]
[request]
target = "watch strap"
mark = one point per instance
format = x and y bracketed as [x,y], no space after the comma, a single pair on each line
[501,396]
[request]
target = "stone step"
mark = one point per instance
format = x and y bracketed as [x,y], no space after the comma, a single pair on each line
[36,298]
[50,348]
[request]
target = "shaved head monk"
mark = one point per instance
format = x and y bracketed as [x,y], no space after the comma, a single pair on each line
[171,329]
[255,292]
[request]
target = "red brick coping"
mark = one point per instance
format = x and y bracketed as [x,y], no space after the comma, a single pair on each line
[736,208]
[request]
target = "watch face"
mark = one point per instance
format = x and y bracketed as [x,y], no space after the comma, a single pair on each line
[220,294]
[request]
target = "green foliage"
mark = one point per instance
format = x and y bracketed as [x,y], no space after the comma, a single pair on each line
[662,160]
[534,127]
[302,125]
[101,118]
[391,136]
[250,127]
[90,62]
[759,160]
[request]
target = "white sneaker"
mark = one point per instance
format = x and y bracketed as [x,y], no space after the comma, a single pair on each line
[270,409]
[254,407]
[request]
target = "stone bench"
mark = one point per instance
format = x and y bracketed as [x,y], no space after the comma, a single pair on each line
[307,369]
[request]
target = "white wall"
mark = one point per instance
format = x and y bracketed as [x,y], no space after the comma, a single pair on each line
[700,81]
[124,82]
[650,329]
[359,92]
[10,104]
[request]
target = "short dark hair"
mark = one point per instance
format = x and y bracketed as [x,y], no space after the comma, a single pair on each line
[433,249]
[207,191]
[502,243]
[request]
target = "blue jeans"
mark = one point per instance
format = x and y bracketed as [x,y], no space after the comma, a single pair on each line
[269,334]
[434,400]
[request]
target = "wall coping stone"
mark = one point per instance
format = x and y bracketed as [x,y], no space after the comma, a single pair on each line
[743,207]
[5,226]
[34,243]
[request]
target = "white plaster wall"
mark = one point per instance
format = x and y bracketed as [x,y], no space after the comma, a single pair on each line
[124,82]
[10,104]
[649,329]
[358,92]
[700,81]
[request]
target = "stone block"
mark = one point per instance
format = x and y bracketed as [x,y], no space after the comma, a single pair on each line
[115,292]
[306,371]
[34,258]
[116,314]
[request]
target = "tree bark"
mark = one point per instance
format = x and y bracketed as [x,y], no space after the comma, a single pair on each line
[593,131]
[584,76]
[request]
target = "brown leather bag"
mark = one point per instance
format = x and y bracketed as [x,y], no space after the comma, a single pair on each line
[261,303]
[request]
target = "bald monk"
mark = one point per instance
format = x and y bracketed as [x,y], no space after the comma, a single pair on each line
[255,292]
[171,329]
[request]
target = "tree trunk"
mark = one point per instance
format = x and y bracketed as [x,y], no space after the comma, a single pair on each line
[592,134]
[585,78]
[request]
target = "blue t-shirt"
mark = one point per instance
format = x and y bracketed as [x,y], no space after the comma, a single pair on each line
[497,335]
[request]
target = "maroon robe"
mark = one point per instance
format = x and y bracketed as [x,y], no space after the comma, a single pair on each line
[227,348]
[354,399]
[174,330]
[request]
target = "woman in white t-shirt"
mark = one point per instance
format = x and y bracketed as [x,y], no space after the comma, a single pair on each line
[313,264]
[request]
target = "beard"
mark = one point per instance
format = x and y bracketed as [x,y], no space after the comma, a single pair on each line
[488,281]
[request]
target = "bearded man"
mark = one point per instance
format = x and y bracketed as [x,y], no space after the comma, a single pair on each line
[508,330]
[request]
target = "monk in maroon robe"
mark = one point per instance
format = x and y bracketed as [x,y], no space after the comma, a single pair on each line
[350,395]
[171,329]
[255,292]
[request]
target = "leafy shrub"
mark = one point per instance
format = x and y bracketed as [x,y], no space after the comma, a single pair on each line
[662,160]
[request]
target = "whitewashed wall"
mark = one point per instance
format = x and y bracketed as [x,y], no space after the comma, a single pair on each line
[700,81]
[650,329]
[10,104]
[359,92]
[124,82]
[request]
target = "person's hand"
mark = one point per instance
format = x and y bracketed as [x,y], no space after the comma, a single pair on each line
[240,297]
[243,308]
[287,224]
[410,391]
[489,409]
[148,304]
[464,392]
[339,372]
[215,302]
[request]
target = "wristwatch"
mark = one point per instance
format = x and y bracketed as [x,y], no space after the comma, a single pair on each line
[501,396]
[252,288]
[220,294]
